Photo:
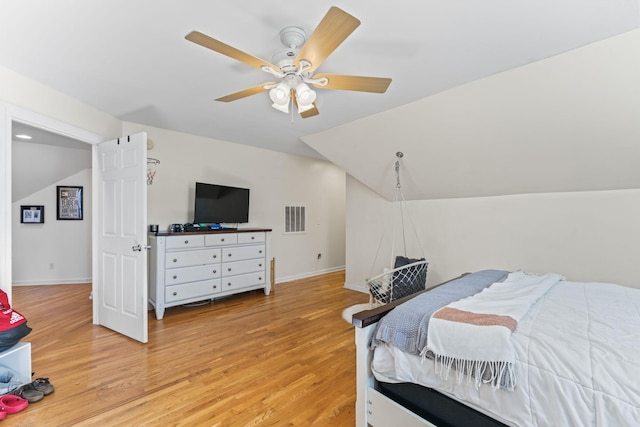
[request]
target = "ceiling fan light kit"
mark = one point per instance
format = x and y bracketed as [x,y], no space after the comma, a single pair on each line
[280,97]
[295,64]
[281,107]
[304,95]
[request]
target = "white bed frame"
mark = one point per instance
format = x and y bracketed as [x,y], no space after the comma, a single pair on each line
[373,408]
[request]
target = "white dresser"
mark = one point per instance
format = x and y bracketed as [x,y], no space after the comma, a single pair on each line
[195,266]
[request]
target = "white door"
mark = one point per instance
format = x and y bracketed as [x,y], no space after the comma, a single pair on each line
[120,296]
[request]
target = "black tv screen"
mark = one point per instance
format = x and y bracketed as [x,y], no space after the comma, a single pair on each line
[216,204]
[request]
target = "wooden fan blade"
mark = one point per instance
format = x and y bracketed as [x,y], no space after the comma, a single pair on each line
[359,83]
[334,28]
[310,113]
[246,92]
[216,45]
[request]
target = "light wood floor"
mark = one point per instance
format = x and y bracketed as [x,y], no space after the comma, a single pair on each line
[287,359]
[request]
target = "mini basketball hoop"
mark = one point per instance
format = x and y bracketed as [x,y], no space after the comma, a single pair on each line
[152,166]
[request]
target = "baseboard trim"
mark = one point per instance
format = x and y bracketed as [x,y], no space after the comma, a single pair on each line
[359,288]
[307,275]
[52,282]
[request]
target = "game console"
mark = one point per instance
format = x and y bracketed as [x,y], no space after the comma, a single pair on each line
[192,227]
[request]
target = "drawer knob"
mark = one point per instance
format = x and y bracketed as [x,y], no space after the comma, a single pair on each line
[175,277]
[215,256]
[215,271]
[228,284]
[259,278]
[175,293]
[186,242]
[222,240]
[260,251]
[215,286]
[253,237]
[228,269]
[175,260]
[229,254]
[259,265]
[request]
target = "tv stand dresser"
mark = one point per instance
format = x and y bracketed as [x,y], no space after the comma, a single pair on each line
[195,266]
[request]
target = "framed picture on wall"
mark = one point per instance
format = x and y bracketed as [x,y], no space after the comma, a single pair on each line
[32,214]
[69,202]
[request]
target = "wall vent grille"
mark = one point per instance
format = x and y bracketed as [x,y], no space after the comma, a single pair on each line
[294,219]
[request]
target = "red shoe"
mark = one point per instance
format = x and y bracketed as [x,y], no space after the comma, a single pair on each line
[12,404]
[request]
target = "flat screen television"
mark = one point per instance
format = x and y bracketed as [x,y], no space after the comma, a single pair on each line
[216,204]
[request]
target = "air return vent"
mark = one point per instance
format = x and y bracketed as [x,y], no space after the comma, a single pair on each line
[294,219]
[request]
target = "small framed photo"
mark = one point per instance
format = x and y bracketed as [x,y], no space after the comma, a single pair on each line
[69,202]
[32,214]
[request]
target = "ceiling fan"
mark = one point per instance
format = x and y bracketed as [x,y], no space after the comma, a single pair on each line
[294,65]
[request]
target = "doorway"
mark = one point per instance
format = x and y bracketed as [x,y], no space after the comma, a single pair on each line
[11,115]
[118,180]
[49,250]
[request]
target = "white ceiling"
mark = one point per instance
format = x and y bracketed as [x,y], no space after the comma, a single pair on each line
[130,58]
[41,136]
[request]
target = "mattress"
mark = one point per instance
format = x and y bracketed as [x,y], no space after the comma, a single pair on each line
[576,362]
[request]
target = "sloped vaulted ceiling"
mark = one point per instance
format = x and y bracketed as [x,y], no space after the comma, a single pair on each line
[130,58]
[563,118]
[567,123]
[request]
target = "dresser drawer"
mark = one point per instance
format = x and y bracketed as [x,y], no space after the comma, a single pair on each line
[242,267]
[242,281]
[251,237]
[191,274]
[188,258]
[186,241]
[203,289]
[242,252]
[220,239]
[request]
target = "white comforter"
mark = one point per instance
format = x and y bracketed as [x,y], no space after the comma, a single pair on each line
[577,362]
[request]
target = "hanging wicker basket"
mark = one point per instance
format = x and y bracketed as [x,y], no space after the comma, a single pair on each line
[398,282]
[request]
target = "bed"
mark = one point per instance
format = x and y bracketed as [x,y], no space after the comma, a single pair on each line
[571,358]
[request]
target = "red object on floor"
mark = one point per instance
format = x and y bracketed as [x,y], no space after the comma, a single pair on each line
[12,403]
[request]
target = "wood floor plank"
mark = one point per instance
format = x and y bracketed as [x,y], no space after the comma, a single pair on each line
[287,359]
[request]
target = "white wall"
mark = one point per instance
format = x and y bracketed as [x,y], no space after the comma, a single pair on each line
[585,236]
[274,179]
[22,92]
[37,165]
[65,244]
[566,123]
[24,99]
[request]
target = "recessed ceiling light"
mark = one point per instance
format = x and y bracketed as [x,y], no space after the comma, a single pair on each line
[23,136]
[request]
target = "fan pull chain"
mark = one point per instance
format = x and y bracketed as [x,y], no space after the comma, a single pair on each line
[291,109]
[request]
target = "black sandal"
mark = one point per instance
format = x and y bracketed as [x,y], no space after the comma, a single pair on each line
[43,385]
[28,392]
